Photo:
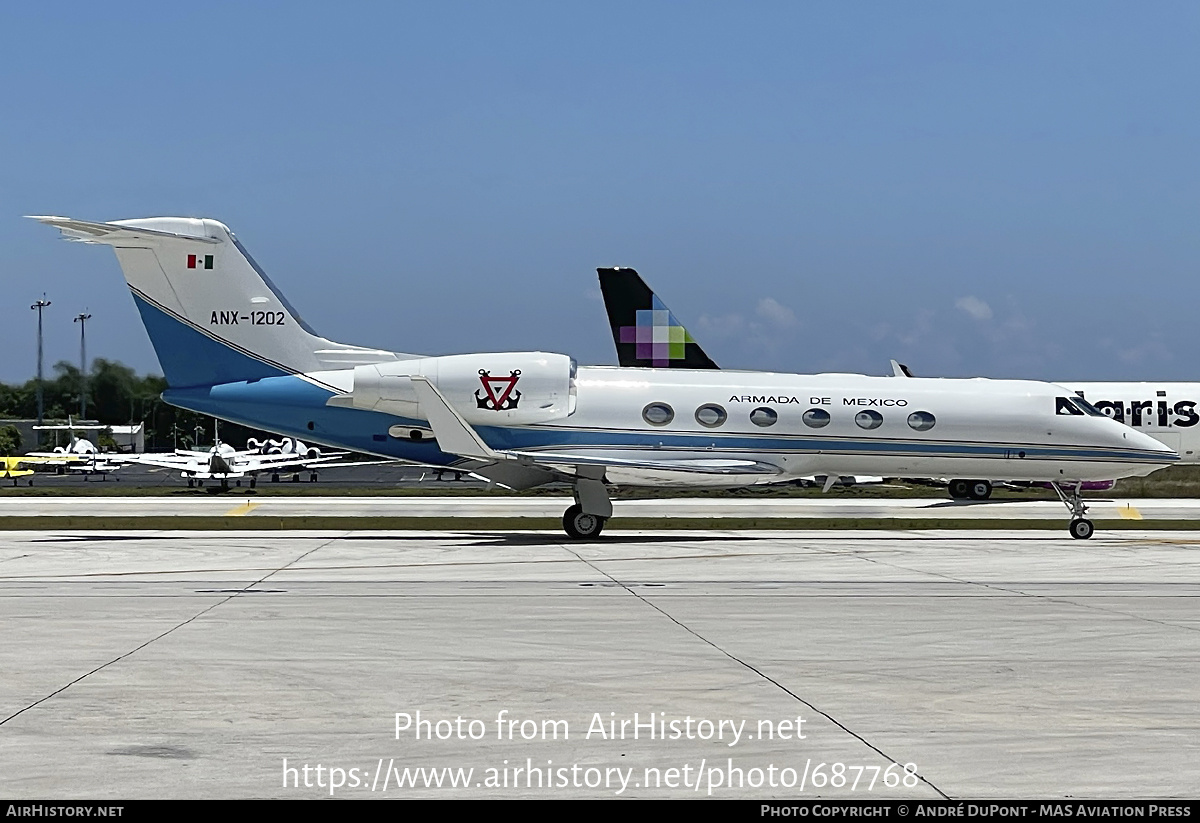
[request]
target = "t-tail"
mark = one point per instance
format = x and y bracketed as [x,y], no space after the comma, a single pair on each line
[644,330]
[212,314]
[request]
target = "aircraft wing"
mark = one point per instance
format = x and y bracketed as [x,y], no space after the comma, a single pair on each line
[54,458]
[166,461]
[298,459]
[691,465]
[335,465]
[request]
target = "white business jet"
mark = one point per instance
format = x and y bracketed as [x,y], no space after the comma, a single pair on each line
[231,346]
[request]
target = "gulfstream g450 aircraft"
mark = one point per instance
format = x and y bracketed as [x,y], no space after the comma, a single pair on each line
[231,346]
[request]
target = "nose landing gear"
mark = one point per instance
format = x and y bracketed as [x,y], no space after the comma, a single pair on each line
[1081,528]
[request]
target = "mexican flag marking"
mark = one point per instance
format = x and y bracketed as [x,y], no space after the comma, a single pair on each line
[198,261]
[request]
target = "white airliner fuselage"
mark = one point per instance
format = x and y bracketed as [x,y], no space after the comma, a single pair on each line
[231,346]
[1165,411]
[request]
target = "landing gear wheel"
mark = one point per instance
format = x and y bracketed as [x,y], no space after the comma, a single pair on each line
[1082,528]
[980,490]
[191,482]
[581,526]
[959,489]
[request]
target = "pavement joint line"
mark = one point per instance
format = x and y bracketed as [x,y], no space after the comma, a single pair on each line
[1010,590]
[757,671]
[155,639]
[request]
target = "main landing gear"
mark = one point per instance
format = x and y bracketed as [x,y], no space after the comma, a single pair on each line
[586,519]
[970,489]
[579,525]
[1081,528]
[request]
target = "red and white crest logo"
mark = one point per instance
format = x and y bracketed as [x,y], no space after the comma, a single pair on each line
[500,393]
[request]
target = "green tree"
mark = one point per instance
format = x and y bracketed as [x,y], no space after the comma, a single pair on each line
[10,440]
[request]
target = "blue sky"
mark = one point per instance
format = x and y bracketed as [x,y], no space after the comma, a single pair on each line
[1007,190]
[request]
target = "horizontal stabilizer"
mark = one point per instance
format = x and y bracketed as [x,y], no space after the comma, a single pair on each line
[111,233]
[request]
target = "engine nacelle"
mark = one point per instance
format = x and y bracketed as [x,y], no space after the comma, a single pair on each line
[509,388]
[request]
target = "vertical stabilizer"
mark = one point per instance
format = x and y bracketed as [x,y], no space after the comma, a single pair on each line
[212,314]
[644,330]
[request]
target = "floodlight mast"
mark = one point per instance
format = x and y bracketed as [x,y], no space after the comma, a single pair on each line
[39,305]
[82,319]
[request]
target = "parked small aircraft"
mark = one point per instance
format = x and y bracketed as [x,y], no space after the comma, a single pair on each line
[223,463]
[80,456]
[10,469]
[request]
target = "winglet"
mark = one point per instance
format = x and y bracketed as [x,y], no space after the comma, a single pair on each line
[900,370]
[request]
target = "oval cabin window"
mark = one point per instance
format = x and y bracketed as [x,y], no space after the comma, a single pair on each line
[868,419]
[764,417]
[658,414]
[710,415]
[921,421]
[816,418]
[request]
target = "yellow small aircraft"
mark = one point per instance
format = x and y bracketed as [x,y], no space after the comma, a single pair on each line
[10,468]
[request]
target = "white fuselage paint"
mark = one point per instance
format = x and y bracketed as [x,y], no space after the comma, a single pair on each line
[1003,417]
[983,428]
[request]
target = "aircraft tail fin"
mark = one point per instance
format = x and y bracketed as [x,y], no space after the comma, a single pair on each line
[212,313]
[644,330]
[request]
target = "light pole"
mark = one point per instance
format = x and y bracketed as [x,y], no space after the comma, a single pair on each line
[82,319]
[39,305]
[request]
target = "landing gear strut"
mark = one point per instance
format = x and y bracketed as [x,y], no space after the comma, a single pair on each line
[1081,528]
[592,509]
